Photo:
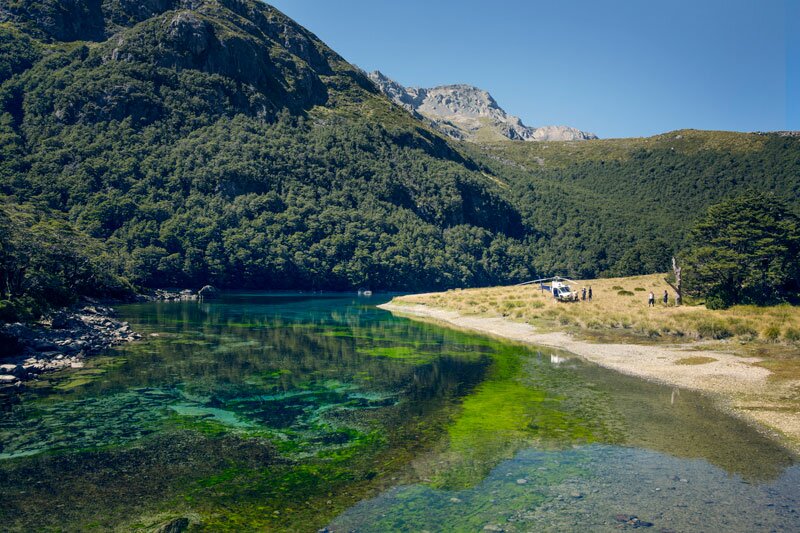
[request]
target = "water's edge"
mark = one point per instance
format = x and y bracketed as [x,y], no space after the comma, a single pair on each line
[726,399]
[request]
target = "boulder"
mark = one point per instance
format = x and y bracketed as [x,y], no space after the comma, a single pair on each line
[176,525]
[208,292]
[13,370]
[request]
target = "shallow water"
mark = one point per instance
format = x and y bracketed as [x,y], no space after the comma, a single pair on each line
[292,412]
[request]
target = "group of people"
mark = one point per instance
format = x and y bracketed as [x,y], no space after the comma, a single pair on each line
[651,299]
[584,293]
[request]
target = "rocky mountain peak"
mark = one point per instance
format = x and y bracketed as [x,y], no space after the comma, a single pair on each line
[468,112]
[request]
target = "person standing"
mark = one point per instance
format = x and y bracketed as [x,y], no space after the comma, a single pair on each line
[666,297]
[590,293]
[651,299]
[583,294]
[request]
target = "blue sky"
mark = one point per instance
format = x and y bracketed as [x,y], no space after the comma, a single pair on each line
[616,68]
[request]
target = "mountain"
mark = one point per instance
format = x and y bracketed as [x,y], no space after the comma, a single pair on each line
[465,112]
[185,142]
[217,141]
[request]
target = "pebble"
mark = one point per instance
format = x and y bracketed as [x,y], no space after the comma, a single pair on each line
[521,481]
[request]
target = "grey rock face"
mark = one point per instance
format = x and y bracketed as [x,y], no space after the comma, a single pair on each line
[465,112]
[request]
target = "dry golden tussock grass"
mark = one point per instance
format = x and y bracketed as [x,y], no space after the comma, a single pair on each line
[619,307]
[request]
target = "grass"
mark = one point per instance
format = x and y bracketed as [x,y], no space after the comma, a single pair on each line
[620,313]
[563,154]
[696,360]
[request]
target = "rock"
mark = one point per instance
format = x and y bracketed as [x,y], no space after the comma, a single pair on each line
[176,525]
[43,345]
[575,494]
[464,112]
[632,521]
[493,527]
[521,481]
[208,292]
[190,33]
[61,320]
[6,379]
[12,369]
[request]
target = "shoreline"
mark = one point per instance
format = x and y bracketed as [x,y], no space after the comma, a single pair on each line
[737,385]
[64,340]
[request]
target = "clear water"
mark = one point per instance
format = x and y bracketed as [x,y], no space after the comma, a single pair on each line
[293,412]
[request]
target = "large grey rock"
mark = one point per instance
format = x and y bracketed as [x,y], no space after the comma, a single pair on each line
[465,112]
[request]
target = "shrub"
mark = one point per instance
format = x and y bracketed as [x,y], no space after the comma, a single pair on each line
[743,330]
[771,333]
[616,288]
[8,313]
[625,293]
[792,334]
[713,329]
[716,302]
[640,289]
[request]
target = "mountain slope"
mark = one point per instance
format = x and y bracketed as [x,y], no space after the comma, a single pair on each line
[465,112]
[624,206]
[218,141]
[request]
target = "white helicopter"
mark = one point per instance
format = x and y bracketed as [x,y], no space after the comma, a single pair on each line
[560,287]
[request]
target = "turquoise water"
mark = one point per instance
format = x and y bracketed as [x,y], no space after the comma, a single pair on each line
[294,412]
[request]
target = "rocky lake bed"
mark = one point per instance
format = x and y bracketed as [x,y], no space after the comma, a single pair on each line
[63,340]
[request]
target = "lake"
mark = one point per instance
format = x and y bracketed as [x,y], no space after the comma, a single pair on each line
[296,412]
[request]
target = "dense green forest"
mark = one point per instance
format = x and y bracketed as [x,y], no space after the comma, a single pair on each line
[227,145]
[625,206]
[220,142]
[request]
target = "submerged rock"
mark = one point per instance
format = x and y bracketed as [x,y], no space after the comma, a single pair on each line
[176,525]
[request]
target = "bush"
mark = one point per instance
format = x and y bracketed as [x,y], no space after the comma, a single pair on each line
[640,289]
[771,333]
[792,334]
[713,329]
[743,330]
[8,313]
[616,288]
[625,293]
[716,302]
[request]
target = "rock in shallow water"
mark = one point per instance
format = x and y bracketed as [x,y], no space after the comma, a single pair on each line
[176,525]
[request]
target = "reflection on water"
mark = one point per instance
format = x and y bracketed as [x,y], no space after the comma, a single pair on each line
[285,411]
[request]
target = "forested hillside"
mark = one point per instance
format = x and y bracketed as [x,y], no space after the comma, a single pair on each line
[624,206]
[216,141]
[219,142]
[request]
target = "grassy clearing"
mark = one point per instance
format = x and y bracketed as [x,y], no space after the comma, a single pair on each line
[619,311]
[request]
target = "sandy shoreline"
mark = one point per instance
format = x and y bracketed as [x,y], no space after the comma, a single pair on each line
[739,385]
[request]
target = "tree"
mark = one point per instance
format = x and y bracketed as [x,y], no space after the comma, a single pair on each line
[745,250]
